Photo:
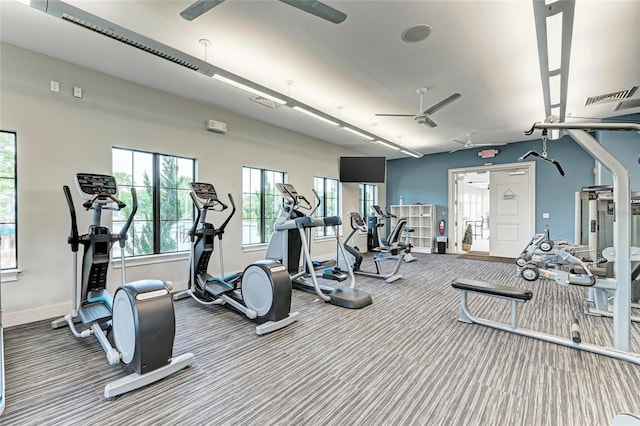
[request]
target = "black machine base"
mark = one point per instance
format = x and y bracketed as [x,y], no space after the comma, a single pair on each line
[350,298]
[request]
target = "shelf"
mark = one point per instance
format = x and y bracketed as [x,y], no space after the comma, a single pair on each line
[421,218]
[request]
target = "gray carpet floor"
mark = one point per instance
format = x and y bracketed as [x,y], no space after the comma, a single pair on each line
[405,360]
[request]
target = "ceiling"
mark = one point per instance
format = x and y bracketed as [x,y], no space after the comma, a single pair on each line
[484,50]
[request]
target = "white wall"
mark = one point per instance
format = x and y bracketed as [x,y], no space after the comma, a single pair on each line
[59,135]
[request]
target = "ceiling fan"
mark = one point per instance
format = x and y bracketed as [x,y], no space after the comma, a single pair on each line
[422,117]
[314,7]
[468,144]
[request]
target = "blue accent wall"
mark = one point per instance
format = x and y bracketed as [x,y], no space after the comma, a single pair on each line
[625,146]
[424,180]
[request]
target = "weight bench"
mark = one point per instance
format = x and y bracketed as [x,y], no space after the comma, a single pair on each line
[513,294]
[517,296]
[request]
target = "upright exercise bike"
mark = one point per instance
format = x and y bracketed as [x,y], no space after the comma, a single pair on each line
[136,326]
[262,292]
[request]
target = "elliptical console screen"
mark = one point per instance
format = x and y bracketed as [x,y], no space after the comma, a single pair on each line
[288,191]
[90,184]
[357,219]
[204,191]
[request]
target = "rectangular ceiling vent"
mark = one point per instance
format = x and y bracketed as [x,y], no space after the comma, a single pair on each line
[264,101]
[610,97]
[628,104]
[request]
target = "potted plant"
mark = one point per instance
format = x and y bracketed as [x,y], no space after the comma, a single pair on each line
[467,239]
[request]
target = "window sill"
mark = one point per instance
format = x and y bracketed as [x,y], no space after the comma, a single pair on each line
[151,259]
[10,275]
[325,238]
[254,247]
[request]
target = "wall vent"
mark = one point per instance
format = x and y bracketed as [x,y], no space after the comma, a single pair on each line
[628,104]
[611,97]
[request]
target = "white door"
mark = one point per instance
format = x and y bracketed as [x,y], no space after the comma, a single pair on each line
[510,218]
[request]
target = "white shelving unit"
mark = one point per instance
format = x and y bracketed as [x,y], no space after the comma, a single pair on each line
[422,219]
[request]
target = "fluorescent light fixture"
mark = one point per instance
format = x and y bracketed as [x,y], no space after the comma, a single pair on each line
[413,154]
[554,41]
[388,145]
[355,132]
[248,89]
[554,89]
[316,116]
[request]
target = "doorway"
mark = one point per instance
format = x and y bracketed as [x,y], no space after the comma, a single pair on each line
[497,204]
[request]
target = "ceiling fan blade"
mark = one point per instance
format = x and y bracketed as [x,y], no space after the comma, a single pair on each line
[442,104]
[318,9]
[198,8]
[394,115]
[429,122]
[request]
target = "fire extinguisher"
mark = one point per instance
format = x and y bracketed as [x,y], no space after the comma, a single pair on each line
[441,226]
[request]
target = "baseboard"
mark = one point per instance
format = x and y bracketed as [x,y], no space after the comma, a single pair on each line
[9,319]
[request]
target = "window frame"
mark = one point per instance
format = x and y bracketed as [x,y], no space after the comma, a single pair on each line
[324,231]
[156,200]
[14,178]
[363,199]
[265,234]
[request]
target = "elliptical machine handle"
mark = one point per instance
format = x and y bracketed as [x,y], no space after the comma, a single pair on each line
[233,211]
[74,238]
[122,236]
[192,230]
[87,204]
[315,194]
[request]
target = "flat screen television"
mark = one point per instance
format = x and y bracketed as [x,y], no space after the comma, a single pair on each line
[363,169]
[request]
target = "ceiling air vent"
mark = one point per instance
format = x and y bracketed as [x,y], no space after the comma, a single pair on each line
[264,101]
[631,103]
[610,97]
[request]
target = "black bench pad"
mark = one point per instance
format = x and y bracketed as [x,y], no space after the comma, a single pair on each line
[491,289]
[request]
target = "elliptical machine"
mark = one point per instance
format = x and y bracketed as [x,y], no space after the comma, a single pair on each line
[2,402]
[136,326]
[395,252]
[262,292]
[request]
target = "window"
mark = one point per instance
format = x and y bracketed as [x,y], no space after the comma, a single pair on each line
[165,210]
[261,204]
[368,196]
[8,199]
[329,192]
